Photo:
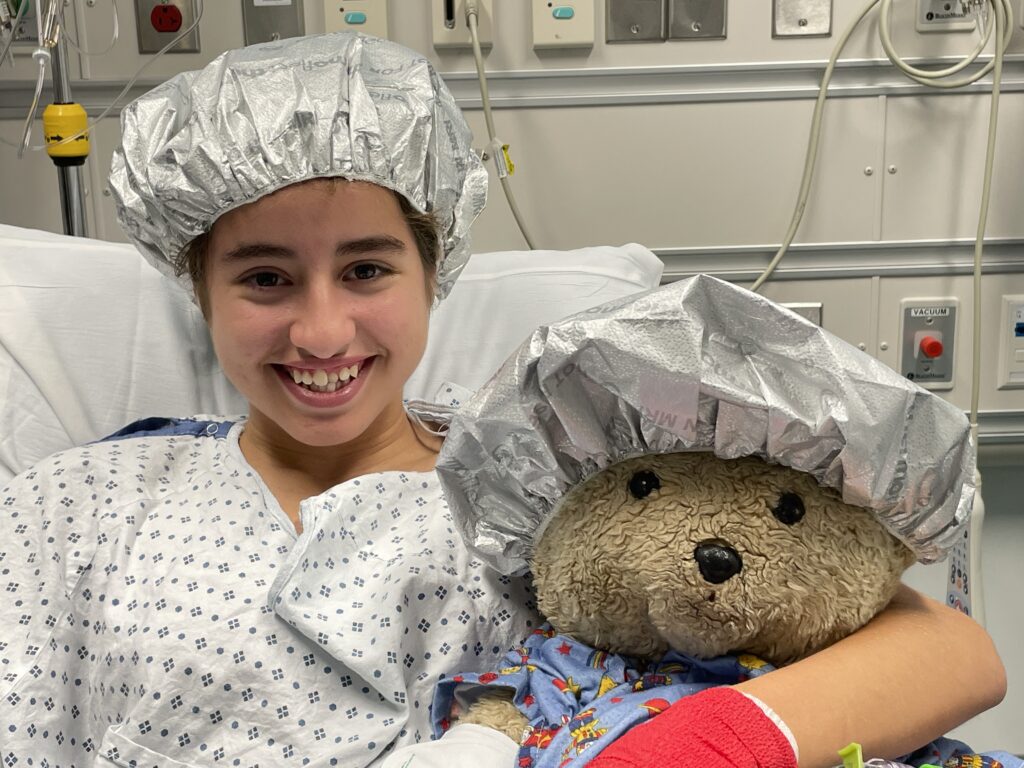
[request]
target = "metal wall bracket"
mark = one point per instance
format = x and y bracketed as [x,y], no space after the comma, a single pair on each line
[266,20]
[635,21]
[696,19]
[801,18]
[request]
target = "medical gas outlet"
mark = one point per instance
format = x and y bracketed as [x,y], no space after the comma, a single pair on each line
[563,24]
[367,16]
[1011,343]
[449,27]
[944,16]
[928,336]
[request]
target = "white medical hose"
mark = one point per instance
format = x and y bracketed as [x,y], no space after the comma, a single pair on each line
[497,149]
[937,78]
[811,157]
[1002,24]
[1003,21]
[127,87]
[931,78]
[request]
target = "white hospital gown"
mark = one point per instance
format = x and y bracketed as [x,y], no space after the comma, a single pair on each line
[159,610]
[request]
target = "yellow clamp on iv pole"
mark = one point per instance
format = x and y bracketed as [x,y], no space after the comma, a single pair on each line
[65,128]
[59,122]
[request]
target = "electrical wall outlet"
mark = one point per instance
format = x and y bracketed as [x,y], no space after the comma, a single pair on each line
[943,16]
[563,24]
[367,16]
[160,21]
[448,24]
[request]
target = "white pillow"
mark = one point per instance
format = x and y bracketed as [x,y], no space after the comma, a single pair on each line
[92,337]
[500,298]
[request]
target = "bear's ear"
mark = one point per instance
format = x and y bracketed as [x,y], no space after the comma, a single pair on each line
[789,508]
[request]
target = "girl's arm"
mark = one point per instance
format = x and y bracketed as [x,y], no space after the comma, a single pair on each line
[914,672]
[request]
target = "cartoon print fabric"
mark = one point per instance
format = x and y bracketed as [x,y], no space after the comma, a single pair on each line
[579,700]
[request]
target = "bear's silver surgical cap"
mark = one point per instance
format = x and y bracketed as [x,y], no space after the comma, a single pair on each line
[260,118]
[701,364]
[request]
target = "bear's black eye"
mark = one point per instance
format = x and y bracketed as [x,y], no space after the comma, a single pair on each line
[790,509]
[643,483]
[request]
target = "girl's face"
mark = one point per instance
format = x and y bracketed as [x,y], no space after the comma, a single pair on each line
[318,304]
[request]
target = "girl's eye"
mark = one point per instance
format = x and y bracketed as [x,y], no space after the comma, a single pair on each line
[264,280]
[368,271]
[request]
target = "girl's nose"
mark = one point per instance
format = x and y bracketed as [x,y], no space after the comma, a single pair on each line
[323,325]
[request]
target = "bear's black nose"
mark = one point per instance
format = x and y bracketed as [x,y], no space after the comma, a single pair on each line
[718,561]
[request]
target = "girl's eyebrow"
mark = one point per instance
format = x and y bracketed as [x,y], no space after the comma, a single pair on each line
[363,245]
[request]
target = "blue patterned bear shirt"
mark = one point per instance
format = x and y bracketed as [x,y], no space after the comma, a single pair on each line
[159,610]
[578,700]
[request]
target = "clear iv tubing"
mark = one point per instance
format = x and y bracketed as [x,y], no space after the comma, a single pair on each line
[471,22]
[127,87]
[113,39]
[41,56]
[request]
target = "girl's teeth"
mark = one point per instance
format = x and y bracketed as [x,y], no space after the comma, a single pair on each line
[323,381]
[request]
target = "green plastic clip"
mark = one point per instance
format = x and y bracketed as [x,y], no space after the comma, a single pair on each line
[852,755]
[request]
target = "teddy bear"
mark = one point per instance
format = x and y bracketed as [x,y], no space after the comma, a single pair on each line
[699,555]
[700,480]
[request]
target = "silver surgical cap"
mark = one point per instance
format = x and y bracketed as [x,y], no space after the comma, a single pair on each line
[260,118]
[701,365]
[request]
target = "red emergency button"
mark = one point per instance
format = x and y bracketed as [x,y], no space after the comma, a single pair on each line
[931,347]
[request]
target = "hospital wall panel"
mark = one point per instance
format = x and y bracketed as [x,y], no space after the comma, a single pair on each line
[936,146]
[682,175]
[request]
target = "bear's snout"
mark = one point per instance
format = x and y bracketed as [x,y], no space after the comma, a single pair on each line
[718,562]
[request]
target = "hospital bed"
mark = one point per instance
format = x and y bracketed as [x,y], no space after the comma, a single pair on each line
[93,338]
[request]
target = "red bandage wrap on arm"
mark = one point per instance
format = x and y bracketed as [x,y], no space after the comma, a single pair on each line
[716,728]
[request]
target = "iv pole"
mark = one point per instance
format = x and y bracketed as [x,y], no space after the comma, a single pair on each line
[65,118]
